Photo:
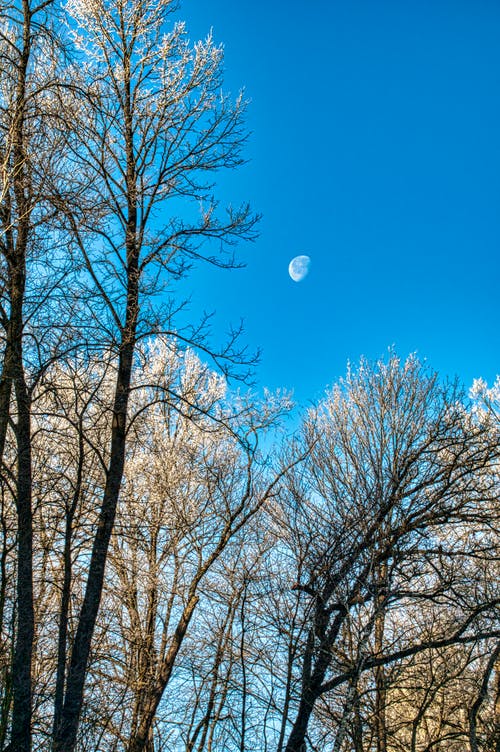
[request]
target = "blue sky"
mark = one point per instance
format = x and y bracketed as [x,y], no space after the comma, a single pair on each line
[375,150]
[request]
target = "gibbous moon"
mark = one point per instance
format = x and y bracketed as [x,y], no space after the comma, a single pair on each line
[298,268]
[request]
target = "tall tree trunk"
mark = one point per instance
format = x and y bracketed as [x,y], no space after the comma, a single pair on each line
[21,712]
[312,678]
[380,676]
[357,735]
[66,734]
[66,588]
[296,739]
[22,689]
[496,717]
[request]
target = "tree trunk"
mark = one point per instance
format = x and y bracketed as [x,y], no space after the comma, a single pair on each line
[16,258]
[139,741]
[65,737]
[357,735]
[66,589]
[493,665]
[496,719]
[21,712]
[296,740]
[380,678]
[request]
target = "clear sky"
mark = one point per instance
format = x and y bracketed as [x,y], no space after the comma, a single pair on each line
[375,150]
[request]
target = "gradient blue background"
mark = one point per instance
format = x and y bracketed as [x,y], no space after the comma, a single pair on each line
[375,149]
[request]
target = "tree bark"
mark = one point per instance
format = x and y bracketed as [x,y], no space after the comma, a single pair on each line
[496,710]
[16,260]
[380,678]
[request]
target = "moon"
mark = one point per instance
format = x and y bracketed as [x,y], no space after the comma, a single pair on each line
[298,268]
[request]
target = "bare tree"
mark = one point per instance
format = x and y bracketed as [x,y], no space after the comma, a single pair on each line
[185,516]
[28,152]
[194,481]
[151,123]
[395,462]
[144,122]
